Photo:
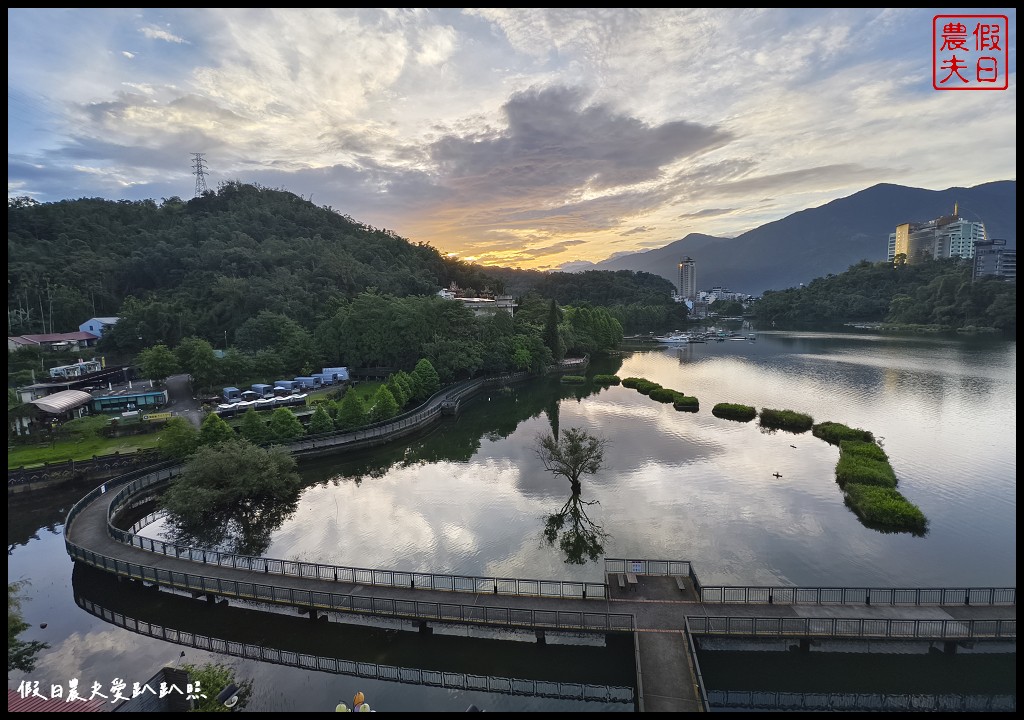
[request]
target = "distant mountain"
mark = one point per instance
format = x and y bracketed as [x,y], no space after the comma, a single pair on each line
[828,239]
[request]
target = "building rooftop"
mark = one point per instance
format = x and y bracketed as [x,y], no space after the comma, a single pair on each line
[76,336]
[62,401]
[16,703]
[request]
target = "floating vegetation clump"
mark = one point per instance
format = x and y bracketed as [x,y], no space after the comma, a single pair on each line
[733,411]
[788,420]
[834,433]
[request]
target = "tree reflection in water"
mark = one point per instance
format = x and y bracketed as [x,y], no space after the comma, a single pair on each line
[579,538]
[234,530]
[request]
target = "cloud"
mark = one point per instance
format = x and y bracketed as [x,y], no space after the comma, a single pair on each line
[499,130]
[641,230]
[155,33]
[706,212]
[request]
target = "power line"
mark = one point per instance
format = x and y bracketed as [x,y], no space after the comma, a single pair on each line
[199,170]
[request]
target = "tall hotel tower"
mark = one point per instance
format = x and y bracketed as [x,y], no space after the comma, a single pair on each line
[688,278]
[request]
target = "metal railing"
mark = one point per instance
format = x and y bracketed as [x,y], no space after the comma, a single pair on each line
[373,671]
[127,497]
[855,628]
[788,595]
[768,700]
[698,678]
[491,616]
[858,596]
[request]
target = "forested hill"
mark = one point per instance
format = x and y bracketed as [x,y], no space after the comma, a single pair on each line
[938,295]
[597,287]
[206,265]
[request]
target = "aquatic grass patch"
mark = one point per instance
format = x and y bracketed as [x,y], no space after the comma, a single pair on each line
[665,395]
[863,463]
[573,379]
[834,433]
[734,411]
[686,403]
[858,470]
[607,379]
[869,450]
[788,420]
[645,387]
[632,382]
[885,508]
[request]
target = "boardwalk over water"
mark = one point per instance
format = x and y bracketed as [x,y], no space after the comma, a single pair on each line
[663,618]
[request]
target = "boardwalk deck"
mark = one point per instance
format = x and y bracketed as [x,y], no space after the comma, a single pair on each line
[653,609]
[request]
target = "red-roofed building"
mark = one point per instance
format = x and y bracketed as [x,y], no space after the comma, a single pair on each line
[34,703]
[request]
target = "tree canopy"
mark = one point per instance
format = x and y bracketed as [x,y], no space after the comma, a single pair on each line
[234,493]
[938,293]
[573,454]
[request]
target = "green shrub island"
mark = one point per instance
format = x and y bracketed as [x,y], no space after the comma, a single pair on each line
[863,471]
[834,433]
[573,379]
[664,395]
[788,420]
[733,411]
[644,387]
[885,508]
[869,486]
[686,403]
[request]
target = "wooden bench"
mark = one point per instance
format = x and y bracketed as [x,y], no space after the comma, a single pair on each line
[622,581]
[680,582]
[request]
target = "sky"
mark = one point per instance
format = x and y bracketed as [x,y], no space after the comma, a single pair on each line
[518,137]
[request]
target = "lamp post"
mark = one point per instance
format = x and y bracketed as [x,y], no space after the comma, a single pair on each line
[225,341]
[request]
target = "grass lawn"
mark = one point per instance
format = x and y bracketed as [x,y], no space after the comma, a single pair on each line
[82,449]
[364,390]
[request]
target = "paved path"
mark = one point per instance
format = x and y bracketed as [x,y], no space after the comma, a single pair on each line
[180,400]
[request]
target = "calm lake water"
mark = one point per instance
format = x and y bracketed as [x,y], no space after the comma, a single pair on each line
[470,496]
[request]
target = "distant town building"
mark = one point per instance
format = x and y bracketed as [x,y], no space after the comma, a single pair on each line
[945,237]
[98,325]
[993,259]
[53,341]
[688,279]
[480,305]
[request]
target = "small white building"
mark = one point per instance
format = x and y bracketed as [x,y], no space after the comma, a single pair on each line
[98,325]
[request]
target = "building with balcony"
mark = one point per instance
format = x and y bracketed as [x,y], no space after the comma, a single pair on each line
[993,259]
[944,237]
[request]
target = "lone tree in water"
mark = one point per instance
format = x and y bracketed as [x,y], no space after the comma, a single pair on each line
[575,454]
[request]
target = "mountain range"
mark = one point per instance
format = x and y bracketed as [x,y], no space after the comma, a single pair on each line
[819,241]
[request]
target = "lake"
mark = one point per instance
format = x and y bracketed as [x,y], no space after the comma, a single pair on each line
[745,506]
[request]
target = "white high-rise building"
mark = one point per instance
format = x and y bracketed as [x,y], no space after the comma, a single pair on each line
[688,278]
[945,237]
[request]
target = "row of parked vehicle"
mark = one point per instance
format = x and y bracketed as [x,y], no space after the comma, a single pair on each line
[282,393]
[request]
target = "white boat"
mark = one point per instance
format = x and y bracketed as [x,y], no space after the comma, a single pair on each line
[675,338]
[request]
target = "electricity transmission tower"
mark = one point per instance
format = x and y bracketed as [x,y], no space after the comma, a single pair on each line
[199,170]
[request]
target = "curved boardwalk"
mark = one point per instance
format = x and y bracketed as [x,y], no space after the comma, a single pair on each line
[662,605]
[662,617]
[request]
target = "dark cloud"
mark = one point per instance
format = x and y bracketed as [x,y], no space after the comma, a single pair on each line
[552,143]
